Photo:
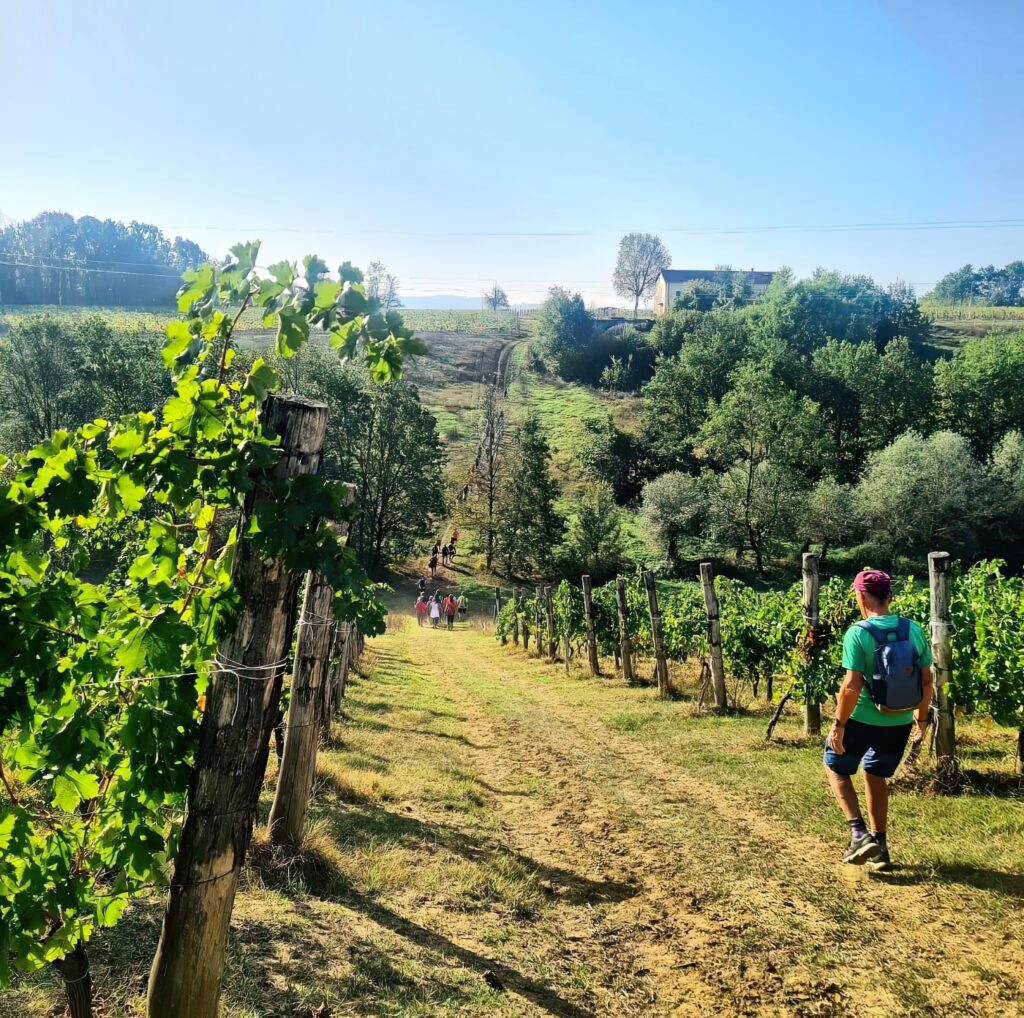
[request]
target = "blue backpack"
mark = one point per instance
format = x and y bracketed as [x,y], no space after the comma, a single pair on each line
[896,683]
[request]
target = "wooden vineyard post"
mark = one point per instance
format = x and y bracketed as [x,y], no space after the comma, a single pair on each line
[707,581]
[515,616]
[234,740]
[497,612]
[942,651]
[538,615]
[625,645]
[588,609]
[552,642]
[811,585]
[657,635]
[306,710]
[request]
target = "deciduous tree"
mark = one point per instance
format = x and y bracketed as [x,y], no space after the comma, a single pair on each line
[642,256]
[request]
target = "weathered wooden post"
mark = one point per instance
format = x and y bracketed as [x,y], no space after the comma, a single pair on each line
[811,584]
[707,581]
[657,635]
[946,761]
[305,714]
[625,644]
[588,610]
[515,616]
[498,611]
[552,643]
[234,740]
[538,616]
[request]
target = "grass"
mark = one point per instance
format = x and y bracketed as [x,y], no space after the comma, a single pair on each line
[491,836]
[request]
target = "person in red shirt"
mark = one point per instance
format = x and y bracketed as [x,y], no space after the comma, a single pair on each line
[450,609]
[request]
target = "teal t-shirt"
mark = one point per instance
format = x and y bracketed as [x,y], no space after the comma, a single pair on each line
[859,648]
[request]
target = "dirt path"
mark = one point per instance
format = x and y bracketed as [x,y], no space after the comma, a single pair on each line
[731,912]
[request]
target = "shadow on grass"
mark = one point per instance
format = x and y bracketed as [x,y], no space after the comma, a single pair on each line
[1009,884]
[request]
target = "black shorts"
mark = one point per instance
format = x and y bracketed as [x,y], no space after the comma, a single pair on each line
[879,747]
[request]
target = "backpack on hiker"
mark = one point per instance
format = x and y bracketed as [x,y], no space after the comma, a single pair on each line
[895,685]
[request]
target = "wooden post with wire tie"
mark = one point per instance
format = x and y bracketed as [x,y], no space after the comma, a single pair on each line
[234,740]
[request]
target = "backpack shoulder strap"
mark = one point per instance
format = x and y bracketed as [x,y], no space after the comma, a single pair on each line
[879,634]
[903,629]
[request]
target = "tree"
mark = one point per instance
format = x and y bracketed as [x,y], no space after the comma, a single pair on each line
[978,391]
[528,527]
[593,541]
[986,285]
[868,399]
[479,497]
[673,506]
[40,385]
[383,286]
[827,515]
[56,259]
[676,399]
[672,330]
[606,453]
[753,506]
[565,329]
[764,434]
[495,299]
[920,493]
[642,256]
[382,440]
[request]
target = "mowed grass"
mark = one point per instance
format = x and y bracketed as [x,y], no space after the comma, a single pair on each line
[565,409]
[403,886]
[973,840]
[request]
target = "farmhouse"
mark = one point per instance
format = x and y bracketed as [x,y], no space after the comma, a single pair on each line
[671,281]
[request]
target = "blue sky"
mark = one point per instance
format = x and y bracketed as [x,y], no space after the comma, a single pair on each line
[463,143]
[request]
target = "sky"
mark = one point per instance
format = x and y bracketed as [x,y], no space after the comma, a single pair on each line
[467,143]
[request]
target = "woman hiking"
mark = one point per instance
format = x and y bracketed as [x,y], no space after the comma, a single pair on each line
[421,609]
[435,611]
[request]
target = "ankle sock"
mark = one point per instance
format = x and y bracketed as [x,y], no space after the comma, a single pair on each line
[857,828]
[880,839]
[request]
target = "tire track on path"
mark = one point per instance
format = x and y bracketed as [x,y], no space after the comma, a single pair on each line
[644,811]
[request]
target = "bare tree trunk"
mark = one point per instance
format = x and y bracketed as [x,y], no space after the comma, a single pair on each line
[233,744]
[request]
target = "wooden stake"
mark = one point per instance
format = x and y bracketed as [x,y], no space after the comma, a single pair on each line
[625,645]
[552,643]
[942,651]
[515,616]
[707,581]
[811,584]
[234,740]
[657,636]
[588,608]
[538,614]
[306,709]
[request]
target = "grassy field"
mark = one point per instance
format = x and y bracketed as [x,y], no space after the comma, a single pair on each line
[494,836]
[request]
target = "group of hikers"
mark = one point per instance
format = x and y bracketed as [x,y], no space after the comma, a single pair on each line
[446,551]
[435,607]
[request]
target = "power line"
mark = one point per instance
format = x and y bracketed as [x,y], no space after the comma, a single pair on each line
[937,224]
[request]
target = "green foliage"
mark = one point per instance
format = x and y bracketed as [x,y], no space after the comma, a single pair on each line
[765,636]
[978,391]
[594,538]
[527,526]
[101,680]
[565,330]
[985,285]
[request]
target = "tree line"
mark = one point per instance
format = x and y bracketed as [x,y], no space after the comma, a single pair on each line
[57,375]
[54,258]
[819,415]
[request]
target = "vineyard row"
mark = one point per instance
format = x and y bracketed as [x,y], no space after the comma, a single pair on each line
[789,638]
